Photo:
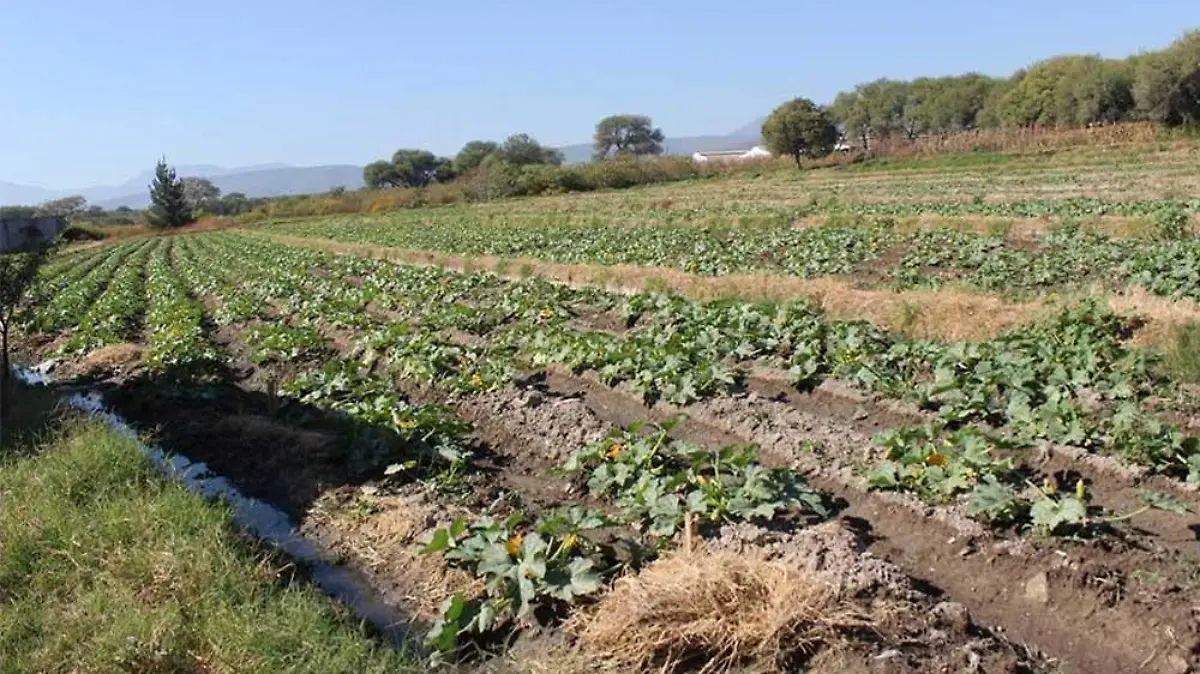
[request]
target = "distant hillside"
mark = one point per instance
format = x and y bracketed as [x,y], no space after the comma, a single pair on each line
[273,180]
[12,194]
[261,182]
[742,139]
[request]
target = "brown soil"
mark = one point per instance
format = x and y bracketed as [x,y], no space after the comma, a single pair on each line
[381,534]
[1093,613]
[522,428]
[113,361]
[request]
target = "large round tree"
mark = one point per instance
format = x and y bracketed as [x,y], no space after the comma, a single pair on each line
[800,128]
[620,135]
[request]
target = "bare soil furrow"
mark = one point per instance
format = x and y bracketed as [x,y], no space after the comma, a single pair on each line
[1102,606]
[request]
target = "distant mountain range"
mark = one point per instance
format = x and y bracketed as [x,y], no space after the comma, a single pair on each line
[267,180]
[272,180]
[742,139]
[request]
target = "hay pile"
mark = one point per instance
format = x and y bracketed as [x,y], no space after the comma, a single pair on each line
[713,611]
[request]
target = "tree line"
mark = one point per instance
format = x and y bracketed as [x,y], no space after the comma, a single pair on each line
[615,136]
[1065,91]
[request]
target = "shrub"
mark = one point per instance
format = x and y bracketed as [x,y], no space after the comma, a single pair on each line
[83,232]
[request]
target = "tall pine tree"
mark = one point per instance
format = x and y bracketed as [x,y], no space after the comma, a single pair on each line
[168,205]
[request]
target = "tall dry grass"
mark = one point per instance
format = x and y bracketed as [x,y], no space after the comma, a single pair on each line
[1020,139]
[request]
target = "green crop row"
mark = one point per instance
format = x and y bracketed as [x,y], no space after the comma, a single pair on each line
[1167,263]
[1070,378]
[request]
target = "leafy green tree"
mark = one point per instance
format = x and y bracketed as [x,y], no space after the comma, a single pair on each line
[63,208]
[521,150]
[990,116]
[18,269]
[444,171]
[1093,90]
[1031,101]
[1069,91]
[962,101]
[201,193]
[169,206]
[945,104]
[920,106]
[886,102]
[417,168]
[379,174]
[850,110]
[1166,84]
[472,155]
[800,128]
[619,135]
[233,204]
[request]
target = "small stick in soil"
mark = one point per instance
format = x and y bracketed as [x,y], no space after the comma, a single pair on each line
[687,533]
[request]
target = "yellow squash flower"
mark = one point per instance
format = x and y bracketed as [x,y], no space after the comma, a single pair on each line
[569,542]
[514,544]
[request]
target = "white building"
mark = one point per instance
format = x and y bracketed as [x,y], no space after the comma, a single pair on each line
[756,152]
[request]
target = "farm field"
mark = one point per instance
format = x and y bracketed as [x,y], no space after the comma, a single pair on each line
[910,245]
[589,474]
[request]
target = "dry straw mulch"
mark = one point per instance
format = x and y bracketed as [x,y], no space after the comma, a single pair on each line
[714,611]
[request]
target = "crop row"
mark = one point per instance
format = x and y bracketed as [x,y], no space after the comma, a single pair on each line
[63,293]
[386,431]
[529,565]
[1069,379]
[1168,265]
[177,340]
[536,568]
[115,316]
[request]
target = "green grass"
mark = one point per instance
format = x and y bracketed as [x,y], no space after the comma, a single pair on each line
[1182,359]
[107,567]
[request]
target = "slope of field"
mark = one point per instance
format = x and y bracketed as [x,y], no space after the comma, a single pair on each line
[912,245]
[1020,503]
[1036,209]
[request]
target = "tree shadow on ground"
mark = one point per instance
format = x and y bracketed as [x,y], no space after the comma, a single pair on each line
[32,415]
[274,448]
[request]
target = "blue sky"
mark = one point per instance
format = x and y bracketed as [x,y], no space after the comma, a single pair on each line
[93,92]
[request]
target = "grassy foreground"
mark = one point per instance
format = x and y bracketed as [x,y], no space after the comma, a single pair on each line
[107,567]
